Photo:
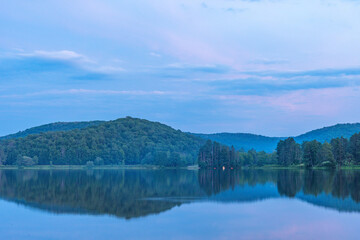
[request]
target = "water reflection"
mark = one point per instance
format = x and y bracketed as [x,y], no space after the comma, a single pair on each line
[340,184]
[135,193]
[119,193]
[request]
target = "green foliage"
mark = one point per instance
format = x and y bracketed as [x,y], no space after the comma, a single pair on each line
[288,152]
[326,156]
[135,141]
[214,155]
[99,161]
[90,164]
[311,153]
[314,154]
[340,148]
[123,141]
[354,147]
[26,161]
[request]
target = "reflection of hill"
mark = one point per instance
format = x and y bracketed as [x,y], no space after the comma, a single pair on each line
[136,193]
[120,193]
[338,190]
[328,201]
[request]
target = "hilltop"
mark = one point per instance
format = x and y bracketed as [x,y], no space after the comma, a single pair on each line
[52,127]
[122,141]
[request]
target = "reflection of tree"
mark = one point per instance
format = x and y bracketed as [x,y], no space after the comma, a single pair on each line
[289,182]
[134,193]
[355,187]
[120,193]
[215,181]
[340,184]
[314,182]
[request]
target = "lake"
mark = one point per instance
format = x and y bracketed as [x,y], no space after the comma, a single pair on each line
[179,204]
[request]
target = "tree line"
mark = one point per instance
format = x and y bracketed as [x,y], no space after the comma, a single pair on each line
[215,155]
[339,152]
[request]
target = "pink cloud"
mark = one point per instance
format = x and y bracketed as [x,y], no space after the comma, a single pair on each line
[315,102]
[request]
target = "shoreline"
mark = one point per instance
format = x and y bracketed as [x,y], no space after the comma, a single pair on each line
[154,167]
[84,167]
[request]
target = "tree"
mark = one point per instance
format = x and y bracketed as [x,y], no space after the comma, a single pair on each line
[99,161]
[253,157]
[326,156]
[205,156]
[161,158]
[89,164]
[224,157]
[263,158]
[354,147]
[216,154]
[339,147]
[289,152]
[26,161]
[232,157]
[310,153]
[174,160]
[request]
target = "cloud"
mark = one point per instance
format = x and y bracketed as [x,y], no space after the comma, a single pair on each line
[235,10]
[326,102]
[318,73]
[58,55]
[71,61]
[274,82]
[155,54]
[108,69]
[262,65]
[188,68]
[90,92]
[266,61]
[185,71]
[264,86]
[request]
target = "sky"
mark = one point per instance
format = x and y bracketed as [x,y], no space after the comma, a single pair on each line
[270,67]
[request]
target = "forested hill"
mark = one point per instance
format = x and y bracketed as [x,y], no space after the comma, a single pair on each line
[122,141]
[327,133]
[240,141]
[52,127]
[262,143]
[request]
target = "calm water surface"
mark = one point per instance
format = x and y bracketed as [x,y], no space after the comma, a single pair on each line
[179,204]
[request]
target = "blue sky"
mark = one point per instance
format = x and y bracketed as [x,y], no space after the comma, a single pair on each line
[270,67]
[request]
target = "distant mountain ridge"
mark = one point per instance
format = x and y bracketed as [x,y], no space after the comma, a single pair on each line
[244,141]
[249,141]
[324,134]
